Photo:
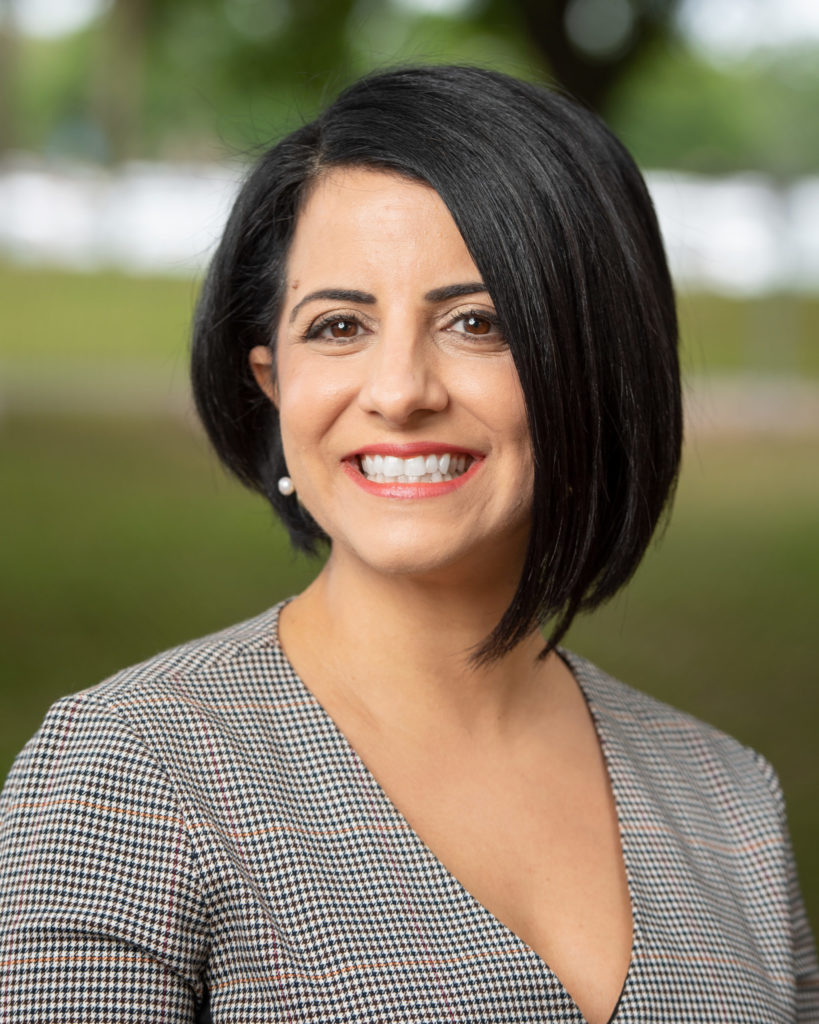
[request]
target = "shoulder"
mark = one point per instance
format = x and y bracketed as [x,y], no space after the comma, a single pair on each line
[703,815]
[238,664]
[216,658]
[165,710]
[678,753]
[97,833]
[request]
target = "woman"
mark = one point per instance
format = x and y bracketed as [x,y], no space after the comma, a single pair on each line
[439,336]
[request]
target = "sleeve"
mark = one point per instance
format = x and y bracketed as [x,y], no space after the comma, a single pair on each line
[806,969]
[101,913]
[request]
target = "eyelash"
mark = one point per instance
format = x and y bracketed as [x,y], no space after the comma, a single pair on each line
[478,314]
[314,330]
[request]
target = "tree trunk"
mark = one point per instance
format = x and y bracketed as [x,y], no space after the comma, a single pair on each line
[119,83]
[9,47]
[590,77]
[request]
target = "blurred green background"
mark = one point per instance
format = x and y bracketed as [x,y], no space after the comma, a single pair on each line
[122,536]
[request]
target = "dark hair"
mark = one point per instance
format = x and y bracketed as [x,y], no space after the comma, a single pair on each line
[559,223]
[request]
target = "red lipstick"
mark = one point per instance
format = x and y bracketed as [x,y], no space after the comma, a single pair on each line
[395,489]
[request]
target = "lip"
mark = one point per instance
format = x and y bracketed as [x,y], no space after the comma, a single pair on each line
[402,490]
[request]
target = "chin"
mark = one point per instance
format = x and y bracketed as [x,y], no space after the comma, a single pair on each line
[454,565]
[411,563]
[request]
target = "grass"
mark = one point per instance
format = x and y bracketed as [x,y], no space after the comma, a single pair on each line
[126,538]
[108,318]
[68,330]
[772,334]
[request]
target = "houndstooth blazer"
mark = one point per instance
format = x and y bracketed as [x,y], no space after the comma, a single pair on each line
[196,831]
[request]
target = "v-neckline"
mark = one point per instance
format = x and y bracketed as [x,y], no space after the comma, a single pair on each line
[393,821]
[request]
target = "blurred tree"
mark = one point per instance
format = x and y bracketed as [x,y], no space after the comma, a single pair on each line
[590,44]
[117,82]
[183,79]
[699,117]
[257,46]
[9,48]
[241,46]
[307,45]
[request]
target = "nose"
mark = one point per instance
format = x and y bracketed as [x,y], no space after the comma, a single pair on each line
[403,377]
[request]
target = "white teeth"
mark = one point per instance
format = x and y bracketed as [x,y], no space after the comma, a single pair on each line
[418,469]
[393,466]
[372,464]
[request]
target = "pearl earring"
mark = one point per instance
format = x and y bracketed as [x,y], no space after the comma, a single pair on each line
[285,486]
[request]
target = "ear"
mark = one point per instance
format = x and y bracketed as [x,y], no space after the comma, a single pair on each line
[261,364]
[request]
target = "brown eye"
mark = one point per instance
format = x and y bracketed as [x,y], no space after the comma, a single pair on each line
[476,325]
[335,328]
[342,329]
[483,327]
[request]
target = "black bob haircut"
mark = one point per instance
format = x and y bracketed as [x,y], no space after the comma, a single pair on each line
[559,223]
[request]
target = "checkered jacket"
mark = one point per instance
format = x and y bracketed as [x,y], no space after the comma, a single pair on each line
[194,837]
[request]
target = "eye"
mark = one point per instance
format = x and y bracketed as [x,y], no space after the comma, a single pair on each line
[334,328]
[477,324]
[341,329]
[473,324]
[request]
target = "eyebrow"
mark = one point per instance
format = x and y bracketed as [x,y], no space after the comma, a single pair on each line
[339,294]
[454,291]
[449,291]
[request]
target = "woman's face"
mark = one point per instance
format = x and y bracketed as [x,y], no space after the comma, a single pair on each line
[402,415]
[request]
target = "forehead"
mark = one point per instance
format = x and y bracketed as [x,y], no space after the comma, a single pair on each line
[364,221]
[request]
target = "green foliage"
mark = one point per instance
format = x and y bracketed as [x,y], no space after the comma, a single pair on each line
[196,78]
[209,78]
[675,109]
[54,95]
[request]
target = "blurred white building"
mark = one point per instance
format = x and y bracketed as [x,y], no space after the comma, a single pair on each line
[739,235]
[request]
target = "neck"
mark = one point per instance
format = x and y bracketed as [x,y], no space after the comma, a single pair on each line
[399,648]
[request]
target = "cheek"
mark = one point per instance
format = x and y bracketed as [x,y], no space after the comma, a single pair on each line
[515,429]
[518,422]
[504,407]
[312,396]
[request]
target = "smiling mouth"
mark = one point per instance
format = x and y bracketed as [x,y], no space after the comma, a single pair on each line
[419,469]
